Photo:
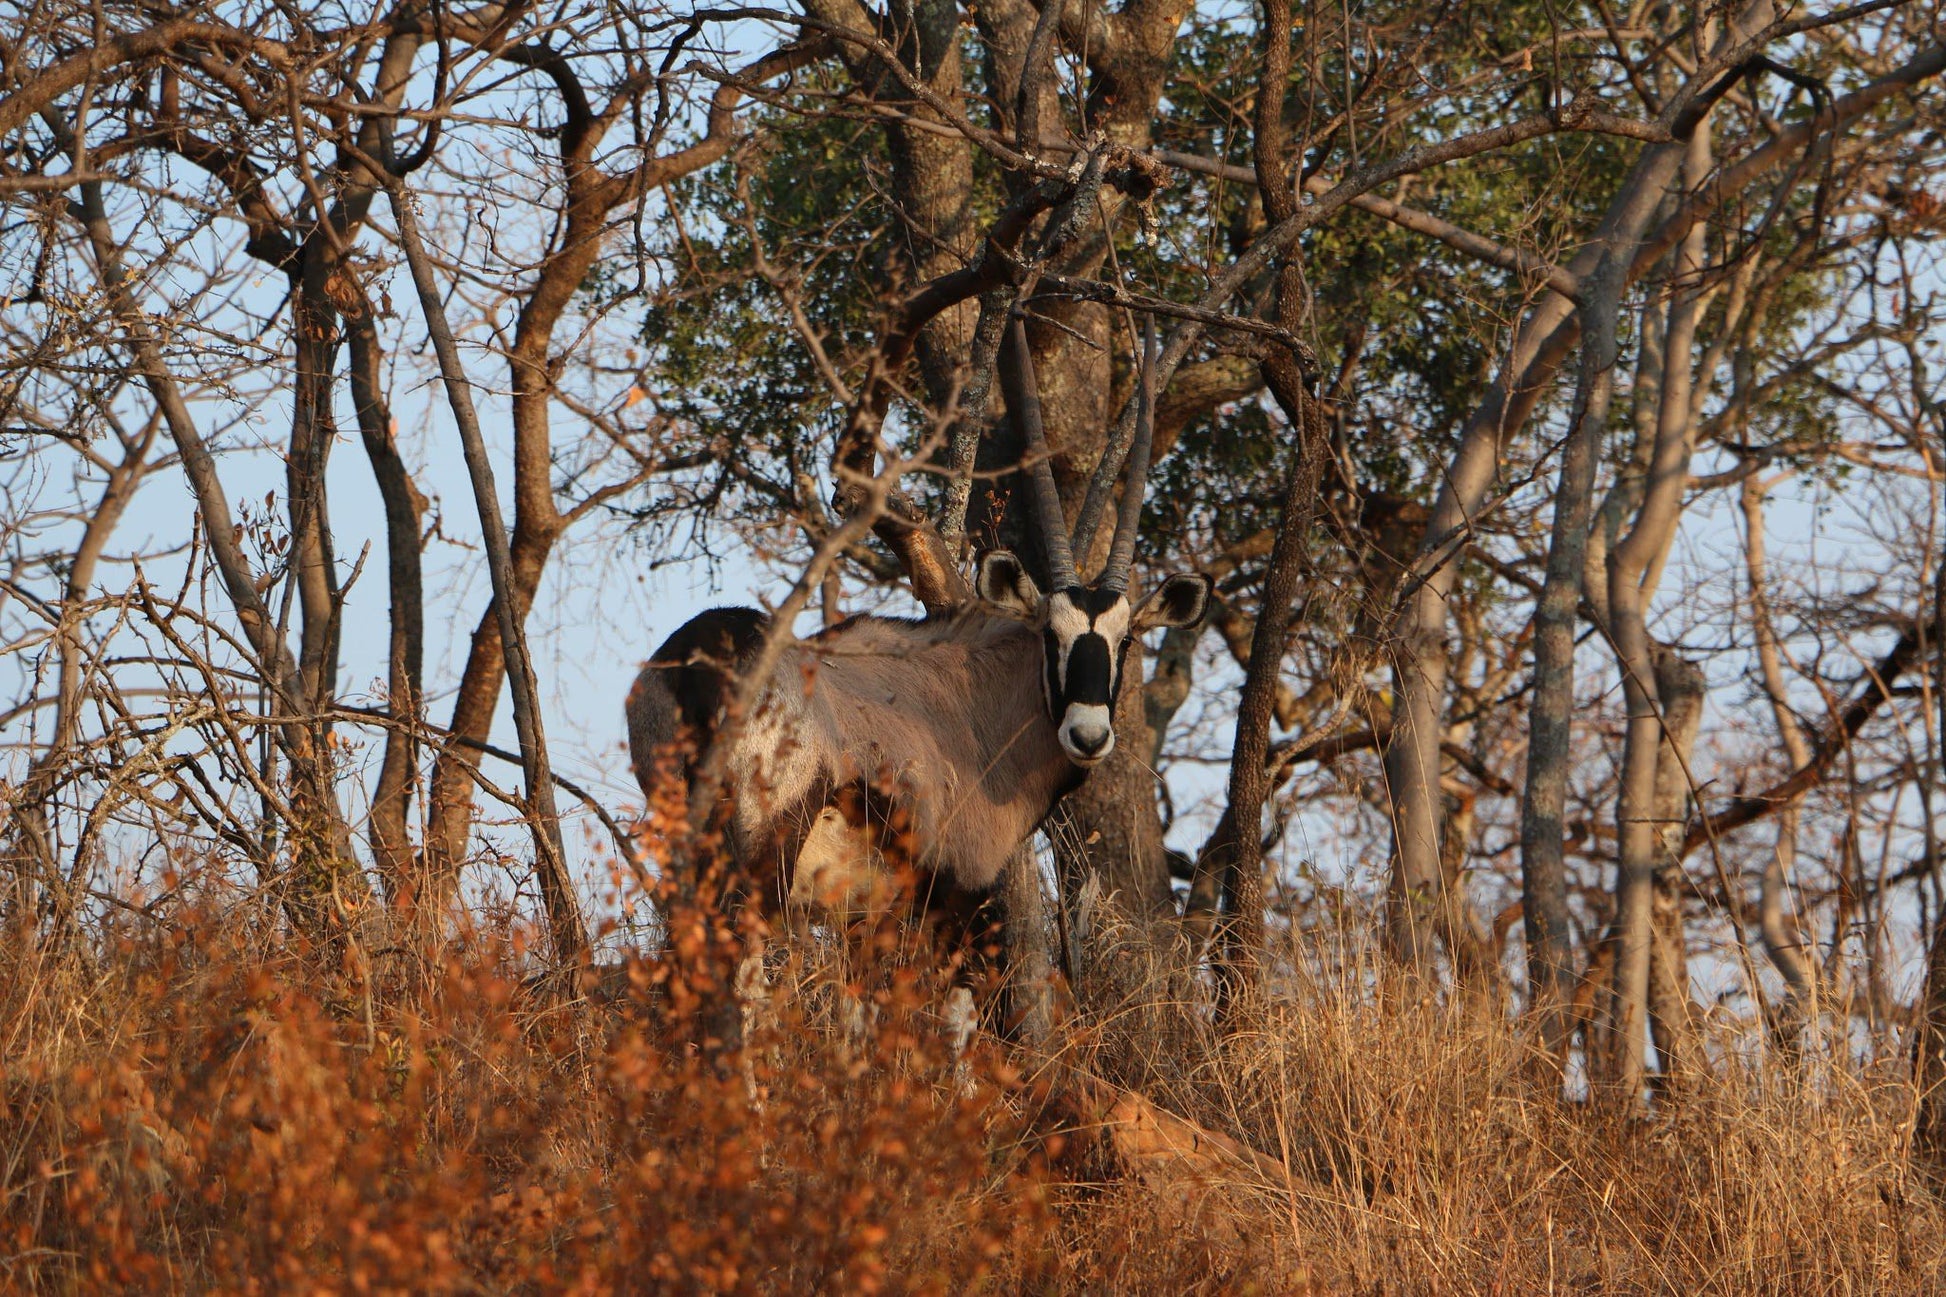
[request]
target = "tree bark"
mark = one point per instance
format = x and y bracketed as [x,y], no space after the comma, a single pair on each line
[1788,952]
[1929,1063]
[1235,851]
[1680,689]
[1543,827]
[570,936]
[404,506]
[1633,567]
[932,169]
[1029,999]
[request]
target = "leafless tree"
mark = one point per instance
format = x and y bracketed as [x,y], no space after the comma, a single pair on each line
[1468,327]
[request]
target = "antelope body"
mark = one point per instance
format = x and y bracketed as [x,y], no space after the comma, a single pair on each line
[954,735]
[942,718]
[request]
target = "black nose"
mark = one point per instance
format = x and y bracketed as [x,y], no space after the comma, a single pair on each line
[1089,739]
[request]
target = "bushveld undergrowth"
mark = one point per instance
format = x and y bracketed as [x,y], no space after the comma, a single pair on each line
[195,1105]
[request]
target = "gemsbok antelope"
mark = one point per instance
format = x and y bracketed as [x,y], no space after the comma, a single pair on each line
[964,728]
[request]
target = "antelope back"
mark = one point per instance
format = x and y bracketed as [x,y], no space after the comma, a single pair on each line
[942,719]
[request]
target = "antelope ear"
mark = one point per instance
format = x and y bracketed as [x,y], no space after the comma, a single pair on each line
[1003,582]
[1182,600]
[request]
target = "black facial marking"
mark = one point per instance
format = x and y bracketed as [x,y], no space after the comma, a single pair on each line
[1094,666]
[1096,602]
[1051,656]
[1090,673]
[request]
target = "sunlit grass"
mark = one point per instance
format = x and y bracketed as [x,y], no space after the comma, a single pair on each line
[195,1106]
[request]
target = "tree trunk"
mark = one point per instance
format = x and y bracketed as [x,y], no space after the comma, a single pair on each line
[932,168]
[313,568]
[1543,821]
[1241,851]
[537,521]
[1929,1063]
[1028,1002]
[590,195]
[1633,567]
[1680,688]
[1418,649]
[404,506]
[1546,803]
[1788,952]
[1929,1040]
[570,936]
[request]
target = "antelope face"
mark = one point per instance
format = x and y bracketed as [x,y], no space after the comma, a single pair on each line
[1085,631]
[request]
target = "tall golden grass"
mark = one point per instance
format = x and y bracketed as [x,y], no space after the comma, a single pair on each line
[197,1106]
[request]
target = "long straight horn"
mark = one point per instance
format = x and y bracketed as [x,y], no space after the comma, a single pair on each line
[1121,554]
[1024,402]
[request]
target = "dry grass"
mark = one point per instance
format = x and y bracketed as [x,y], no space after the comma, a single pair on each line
[198,1107]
